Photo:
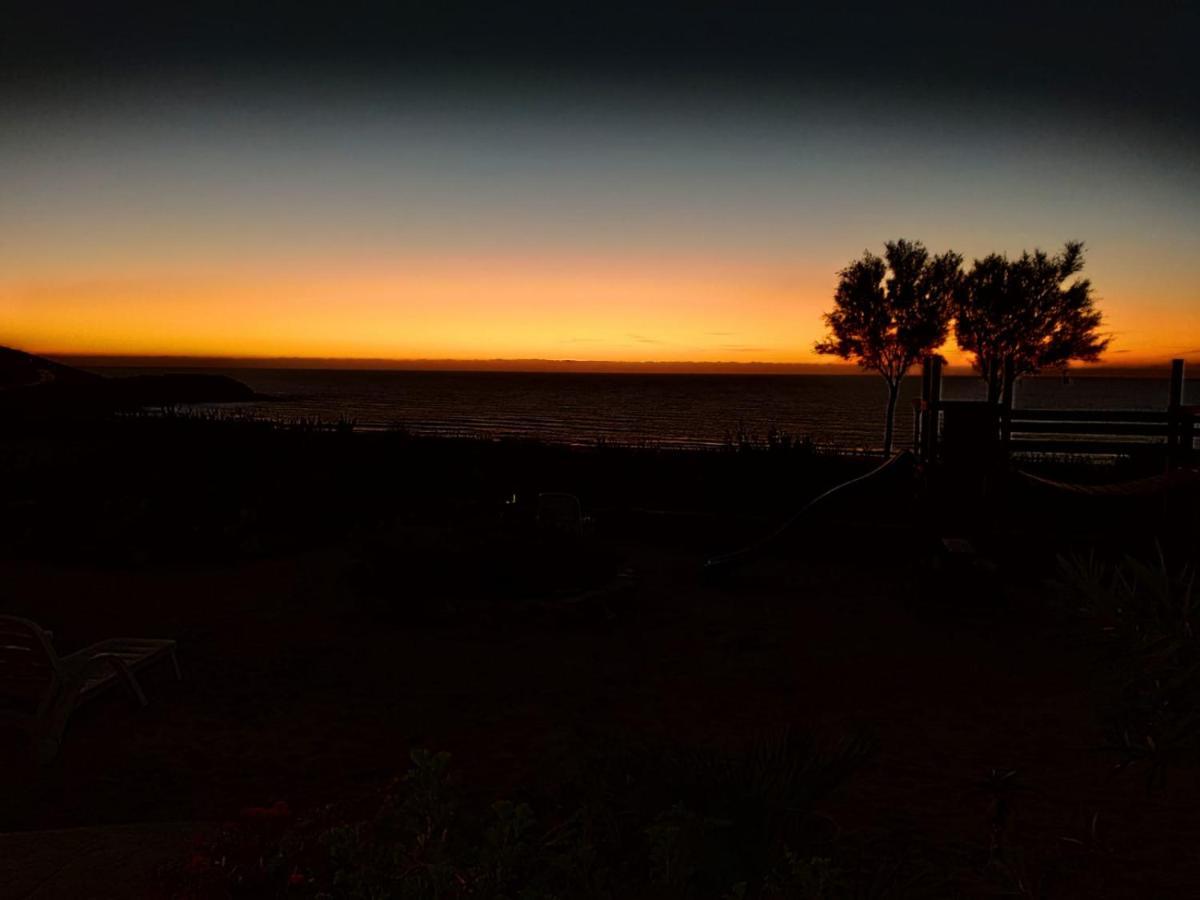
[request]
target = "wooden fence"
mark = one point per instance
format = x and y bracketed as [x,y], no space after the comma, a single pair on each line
[956,427]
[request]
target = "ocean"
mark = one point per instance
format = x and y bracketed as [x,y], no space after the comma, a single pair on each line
[690,411]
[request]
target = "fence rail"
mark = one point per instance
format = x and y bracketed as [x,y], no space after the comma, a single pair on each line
[1172,431]
[1084,448]
[1093,416]
[1043,426]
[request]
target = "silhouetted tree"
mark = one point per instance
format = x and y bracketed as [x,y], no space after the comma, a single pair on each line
[890,312]
[1020,312]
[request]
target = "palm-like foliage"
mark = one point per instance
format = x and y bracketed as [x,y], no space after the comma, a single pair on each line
[1147,614]
[890,312]
[1023,311]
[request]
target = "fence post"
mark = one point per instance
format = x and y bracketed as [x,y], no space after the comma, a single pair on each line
[1176,446]
[923,413]
[1006,403]
[931,390]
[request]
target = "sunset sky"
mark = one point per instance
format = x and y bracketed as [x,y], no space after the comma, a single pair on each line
[665,193]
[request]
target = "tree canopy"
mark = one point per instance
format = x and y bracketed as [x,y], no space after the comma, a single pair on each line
[890,312]
[1022,311]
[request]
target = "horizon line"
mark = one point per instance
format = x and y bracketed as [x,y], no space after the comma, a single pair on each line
[538,365]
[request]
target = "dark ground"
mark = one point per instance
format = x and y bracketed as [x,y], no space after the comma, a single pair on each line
[340,599]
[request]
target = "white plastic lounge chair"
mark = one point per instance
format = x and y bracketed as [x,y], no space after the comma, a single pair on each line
[39,689]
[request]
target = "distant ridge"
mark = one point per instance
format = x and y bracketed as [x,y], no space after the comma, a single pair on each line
[32,386]
[19,369]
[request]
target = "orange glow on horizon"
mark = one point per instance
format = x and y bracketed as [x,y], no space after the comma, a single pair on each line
[481,309]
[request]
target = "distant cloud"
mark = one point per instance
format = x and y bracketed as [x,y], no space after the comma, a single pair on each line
[721,333]
[644,340]
[738,348]
[579,340]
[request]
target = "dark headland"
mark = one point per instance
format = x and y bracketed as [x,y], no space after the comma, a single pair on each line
[31,386]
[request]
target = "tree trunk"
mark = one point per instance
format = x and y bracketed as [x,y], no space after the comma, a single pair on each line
[995,386]
[992,370]
[1008,384]
[890,423]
